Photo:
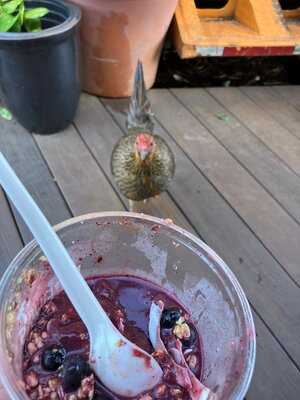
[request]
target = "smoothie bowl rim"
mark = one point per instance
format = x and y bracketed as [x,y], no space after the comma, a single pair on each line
[242,388]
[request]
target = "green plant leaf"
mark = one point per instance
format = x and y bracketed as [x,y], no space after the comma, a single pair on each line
[223,117]
[21,13]
[11,6]
[35,13]
[33,25]
[5,113]
[17,27]
[7,22]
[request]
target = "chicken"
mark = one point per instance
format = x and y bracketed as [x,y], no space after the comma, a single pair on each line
[141,162]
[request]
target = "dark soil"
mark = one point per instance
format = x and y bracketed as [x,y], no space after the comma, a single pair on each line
[210,3]
[221,71]
[285,4]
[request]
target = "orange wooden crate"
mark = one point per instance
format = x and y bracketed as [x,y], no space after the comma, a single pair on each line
[240,28]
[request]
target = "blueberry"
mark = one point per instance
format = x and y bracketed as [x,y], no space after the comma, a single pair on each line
[53,357]
[74,369]
[188,343]
[169,318]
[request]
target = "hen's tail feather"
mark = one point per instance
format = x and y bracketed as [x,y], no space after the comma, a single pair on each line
[139,113]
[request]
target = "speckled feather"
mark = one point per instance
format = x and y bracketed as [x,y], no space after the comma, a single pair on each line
[139,180]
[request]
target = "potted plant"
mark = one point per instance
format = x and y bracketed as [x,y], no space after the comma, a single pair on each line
[115,34]
[39,62]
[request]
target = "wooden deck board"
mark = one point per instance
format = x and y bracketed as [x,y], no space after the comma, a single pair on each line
[83,184]
[265,127]
[236,191]
[21,151]
[279,180]
[276,106]
[290,93]
[10,240]
[275,228]
[271,380]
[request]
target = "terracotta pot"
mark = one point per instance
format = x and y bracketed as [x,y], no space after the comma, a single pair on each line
[114,35]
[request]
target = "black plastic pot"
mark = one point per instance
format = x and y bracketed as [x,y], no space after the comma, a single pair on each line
[39,72]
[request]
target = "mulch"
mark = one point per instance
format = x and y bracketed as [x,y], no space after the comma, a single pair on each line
[221,71]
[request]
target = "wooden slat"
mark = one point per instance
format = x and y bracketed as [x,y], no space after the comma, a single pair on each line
[276,229]
[101,133]
[290,93]
[287,383]
[225,232]
[260,275]
[80,179]
[10,241]
[267,129]
[21,151]
[282,183]
[276,106]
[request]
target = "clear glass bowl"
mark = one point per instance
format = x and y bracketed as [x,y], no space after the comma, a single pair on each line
[135,244]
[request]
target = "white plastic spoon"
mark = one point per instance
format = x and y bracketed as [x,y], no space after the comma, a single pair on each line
[123,367]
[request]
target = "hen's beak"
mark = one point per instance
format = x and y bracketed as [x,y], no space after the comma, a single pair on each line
[143,154]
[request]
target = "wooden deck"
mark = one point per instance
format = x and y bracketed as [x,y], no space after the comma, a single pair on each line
[237,186]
